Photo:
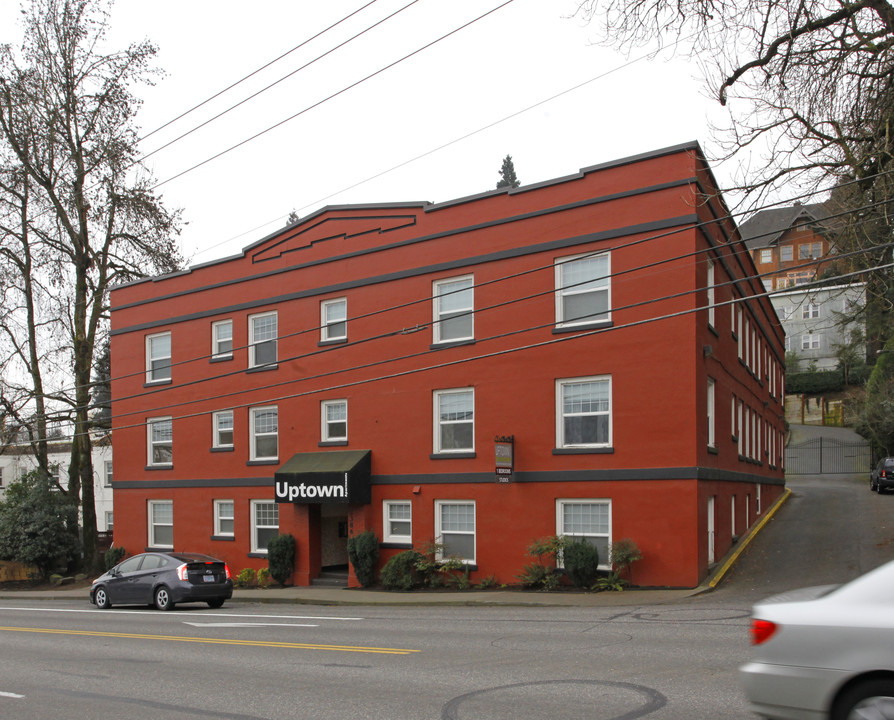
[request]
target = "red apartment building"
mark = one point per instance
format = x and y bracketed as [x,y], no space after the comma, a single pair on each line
[585,356]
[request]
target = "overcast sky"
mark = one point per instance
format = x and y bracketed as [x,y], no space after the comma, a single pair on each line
[459,106]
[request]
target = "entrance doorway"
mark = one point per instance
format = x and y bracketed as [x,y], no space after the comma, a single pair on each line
[334,540]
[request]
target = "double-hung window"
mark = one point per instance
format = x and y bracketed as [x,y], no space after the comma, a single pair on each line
[397,521]
[583,290]
[224,520]
[810,310]
[711,414]
[160,437]
[710,293]
[583,410]
[455,529]
[453,309]
[108,473]
[766,256]
[161,523]
[334,320]
[262,339]
[454,421]
[811,341]
[810,251]
[785,253]
[587,520]
[264,428]
[334,420]
[264,524]
[158,358]
[223,429]
[222,340]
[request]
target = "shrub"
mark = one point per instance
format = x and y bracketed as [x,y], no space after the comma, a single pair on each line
[245,578]
[624,553]
[581,562]
[542,574]
[363,552]
[264,578]
[400,571]
[281,558]
[114,555]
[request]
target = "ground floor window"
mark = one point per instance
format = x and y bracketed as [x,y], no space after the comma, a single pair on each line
[398,521]
[161,523]
[589,520]
[264,524]
[223,517]
[455,528]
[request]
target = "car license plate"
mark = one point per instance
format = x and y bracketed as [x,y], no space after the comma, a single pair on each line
[208,578]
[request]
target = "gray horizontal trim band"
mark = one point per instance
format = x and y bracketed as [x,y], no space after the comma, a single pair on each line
[623,474]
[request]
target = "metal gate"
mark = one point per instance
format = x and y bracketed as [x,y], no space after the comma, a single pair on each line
[827,455]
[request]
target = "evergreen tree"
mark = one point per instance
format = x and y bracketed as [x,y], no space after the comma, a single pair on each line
[508,177]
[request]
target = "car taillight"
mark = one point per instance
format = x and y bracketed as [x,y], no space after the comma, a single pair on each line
[181,572]
[762,630]
[882,474]
[227,569]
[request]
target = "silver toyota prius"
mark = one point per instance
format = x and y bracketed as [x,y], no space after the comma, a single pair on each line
[825,652]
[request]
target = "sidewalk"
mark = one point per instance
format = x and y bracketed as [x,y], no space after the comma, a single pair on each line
[519,598]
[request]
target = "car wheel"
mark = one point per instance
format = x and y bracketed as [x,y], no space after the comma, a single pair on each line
[101,598]
[216,603]
[873,699]
[163,598]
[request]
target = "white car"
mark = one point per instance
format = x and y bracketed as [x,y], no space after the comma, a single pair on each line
[825,652]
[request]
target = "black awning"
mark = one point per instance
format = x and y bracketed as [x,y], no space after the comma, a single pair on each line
[336,476]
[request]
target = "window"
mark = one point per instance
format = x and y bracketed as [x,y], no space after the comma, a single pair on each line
[766,255]
[334,420]
[710,287]
[161,441]
[222,339]
[109,518]
[397,521]
[810,251]
[107,472]
[453,305]
[161,523]
[582,290]
[811,341]
[1,477]
[454,421]
[587,519]
[223,429]
[711,442]
[334,320]
[583,412]
[264,423]
[261,339]
[810,310]
[223,518]
[158,358]
[264,524]
[785,253]
[455,528]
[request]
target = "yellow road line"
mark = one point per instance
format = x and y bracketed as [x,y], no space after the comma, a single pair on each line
[216,641]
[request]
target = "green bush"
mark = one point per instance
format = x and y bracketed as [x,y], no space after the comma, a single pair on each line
[114,555]
[814,383]
[245,578]
[363,552]
[581,561]
[542,575]
[281,558]
[400,571]
[264,578]
[624,553]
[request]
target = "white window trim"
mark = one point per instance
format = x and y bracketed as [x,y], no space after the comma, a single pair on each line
[218,517]
[215,428]
[150,445]
[255,527]
[474,533]
[437,395]
[387,535]
[252,343]
[766,256]
[711,294]
[150,373]
[438,316]
[560,411]
[108,473]
[604,562]
[324,421]
[561,292]
[152,525]
[252,435]
[215,339]
[325,325]
[712,442]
